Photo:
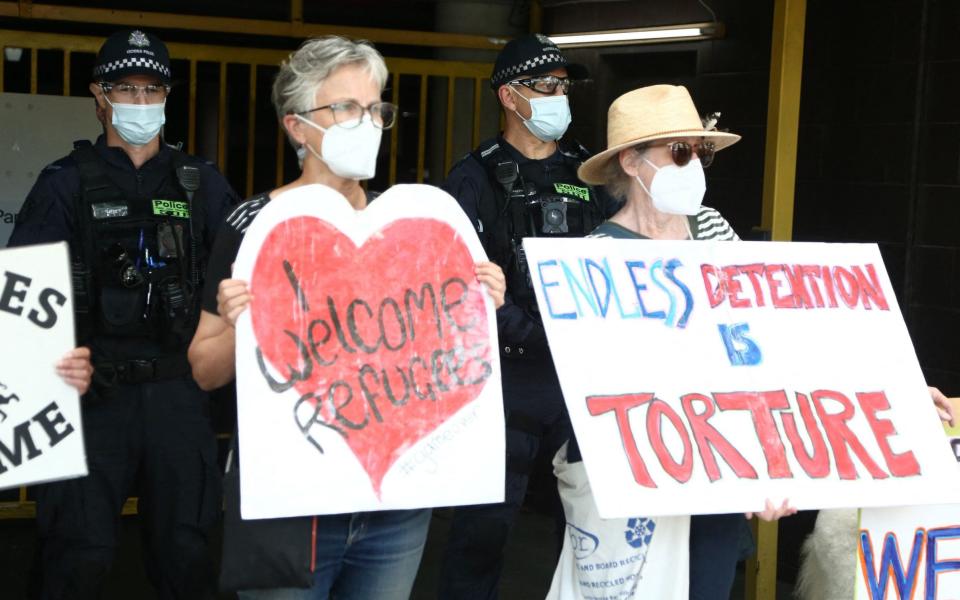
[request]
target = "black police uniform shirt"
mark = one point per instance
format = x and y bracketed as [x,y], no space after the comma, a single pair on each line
[470,183]
[48,215]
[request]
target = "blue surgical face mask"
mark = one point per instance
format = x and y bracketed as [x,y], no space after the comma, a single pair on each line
[137,124]
[549,116]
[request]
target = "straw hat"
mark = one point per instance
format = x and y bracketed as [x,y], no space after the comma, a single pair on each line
[651,113]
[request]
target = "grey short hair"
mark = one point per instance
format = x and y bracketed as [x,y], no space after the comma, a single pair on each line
[305,70]
[616,182]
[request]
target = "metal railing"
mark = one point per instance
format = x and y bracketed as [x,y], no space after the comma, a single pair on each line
[435,94]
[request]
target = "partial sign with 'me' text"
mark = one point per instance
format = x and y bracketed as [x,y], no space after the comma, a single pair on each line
[41,438]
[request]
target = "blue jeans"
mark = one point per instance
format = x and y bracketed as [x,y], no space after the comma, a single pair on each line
[362,556]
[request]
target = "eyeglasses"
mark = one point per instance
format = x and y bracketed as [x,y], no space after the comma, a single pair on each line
[546,84]
[682,152]
[153,92]
[347,114]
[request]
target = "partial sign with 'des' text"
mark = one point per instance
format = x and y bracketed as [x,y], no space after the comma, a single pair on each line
[704,377]
[40,431]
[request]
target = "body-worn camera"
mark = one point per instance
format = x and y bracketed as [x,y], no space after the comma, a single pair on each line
[556,215]
[532,212]
[545,213]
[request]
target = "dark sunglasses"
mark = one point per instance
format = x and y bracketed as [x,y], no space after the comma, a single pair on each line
[682,152]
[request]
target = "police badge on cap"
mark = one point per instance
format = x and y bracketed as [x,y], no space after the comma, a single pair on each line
[531,55]
[132,52]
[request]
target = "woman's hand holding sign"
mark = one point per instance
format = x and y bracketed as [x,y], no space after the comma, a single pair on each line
[773,513]
[491,276]
[75,369]
[944,407]
[233,296]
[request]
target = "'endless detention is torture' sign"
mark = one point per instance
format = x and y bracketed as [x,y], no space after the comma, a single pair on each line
[704,377]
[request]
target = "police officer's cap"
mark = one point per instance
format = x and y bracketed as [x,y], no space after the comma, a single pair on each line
[132,52]
[531,55]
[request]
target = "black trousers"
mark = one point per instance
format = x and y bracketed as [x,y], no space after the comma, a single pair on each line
[473,560]
[153,439]
[717,543]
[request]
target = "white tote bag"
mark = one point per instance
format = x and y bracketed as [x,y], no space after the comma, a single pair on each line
[616,559]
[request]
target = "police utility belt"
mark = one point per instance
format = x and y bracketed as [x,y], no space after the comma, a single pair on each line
[143,370]
[135,266]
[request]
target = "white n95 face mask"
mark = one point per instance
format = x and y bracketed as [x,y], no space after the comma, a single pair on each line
[677,190]
[549,117]
[349,152]
[137,124]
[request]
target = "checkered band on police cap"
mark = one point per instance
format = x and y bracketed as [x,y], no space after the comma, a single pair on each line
[532,55]
[132,52]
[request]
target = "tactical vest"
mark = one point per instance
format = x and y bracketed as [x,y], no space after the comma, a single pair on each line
[136,265]
[563,207]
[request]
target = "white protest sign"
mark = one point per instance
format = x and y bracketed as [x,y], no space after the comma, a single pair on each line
[704,377]
[367,370]
[911,549]
[37,129]
[911,552]
[41,437]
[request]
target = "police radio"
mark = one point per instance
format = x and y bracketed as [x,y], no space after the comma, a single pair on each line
[507,174]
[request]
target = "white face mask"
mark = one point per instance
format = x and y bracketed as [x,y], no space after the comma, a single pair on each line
[349,152]
[549,116]
[137,124]
[677,190]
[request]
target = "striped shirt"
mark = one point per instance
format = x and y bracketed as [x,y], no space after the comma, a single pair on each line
[707,224]
[242,216]
[227,245]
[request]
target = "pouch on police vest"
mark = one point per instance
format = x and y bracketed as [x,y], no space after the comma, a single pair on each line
[177,311]
[123,309]
[170,240]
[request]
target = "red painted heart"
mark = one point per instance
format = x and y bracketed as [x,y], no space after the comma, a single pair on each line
[387,340]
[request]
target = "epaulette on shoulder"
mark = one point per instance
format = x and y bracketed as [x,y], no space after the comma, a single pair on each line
[488,150]
[58,166]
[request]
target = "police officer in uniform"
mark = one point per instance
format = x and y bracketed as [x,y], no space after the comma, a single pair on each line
[139,217]
[523,183]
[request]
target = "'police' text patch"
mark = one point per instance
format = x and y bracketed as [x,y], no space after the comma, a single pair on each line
[171,208]
[573,190]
